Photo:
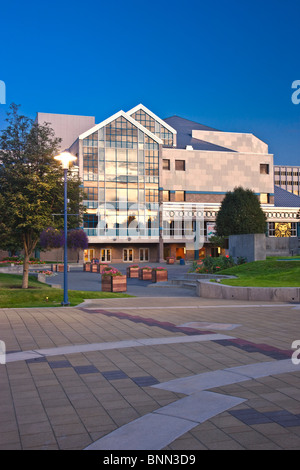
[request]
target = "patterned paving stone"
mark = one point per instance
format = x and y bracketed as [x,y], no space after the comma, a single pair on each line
[145,381]
[114,375]
[59,364]
[89,369]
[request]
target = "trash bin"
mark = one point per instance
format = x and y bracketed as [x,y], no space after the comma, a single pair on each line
[182,261]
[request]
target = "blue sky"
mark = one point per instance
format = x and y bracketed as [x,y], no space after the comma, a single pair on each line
[226,64]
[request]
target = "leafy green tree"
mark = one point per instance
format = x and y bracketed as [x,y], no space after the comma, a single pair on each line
[240,213]
[31,185]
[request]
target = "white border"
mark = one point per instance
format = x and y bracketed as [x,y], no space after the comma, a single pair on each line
[126,116]
[161,121]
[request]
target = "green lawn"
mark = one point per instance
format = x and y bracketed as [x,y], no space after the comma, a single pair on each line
[41,295]
[269,273]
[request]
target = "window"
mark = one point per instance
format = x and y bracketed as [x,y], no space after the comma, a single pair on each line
[293,229]
[144,254]
[264,169]
[264,198]
[180,165]
[128,254]
[282,229]
[166,164]
[271,229]
[179,196]
[166,196]
[106,255]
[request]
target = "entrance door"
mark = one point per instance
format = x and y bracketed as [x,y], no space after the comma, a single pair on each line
[167,252]
[180,253]
[106,255]
[144,254]
[88,255]
[127,255]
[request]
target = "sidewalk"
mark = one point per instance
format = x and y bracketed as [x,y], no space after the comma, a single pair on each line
[160,373]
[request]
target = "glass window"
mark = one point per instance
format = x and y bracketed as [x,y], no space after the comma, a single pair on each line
[106,255]
[166,164]
[179,196]
[144,254]
[127,254]
[271,229]
[166,196]
[110,195]
[264,198]
[180,165]
[264,169]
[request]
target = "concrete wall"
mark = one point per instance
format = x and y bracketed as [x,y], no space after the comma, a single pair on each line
[240,142]
[282,246]
[250,246]
[216,172]
[67,127]
[213,290]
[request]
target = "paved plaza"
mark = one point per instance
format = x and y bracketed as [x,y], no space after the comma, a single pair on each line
[165,370]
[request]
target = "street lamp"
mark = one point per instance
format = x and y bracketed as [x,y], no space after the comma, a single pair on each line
[65,158]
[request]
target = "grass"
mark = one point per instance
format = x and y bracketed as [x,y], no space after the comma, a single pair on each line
[268,273]
[42,295]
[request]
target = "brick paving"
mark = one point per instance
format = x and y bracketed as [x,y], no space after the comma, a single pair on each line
[72,400]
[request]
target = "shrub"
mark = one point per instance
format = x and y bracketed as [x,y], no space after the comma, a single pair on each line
[213,265]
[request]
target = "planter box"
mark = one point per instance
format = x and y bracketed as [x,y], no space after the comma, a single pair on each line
[59,268]
[87,267]
[145,274]
[132,272]
[101,267]
[170,260]
[114,283]
[94,268]
[159,276]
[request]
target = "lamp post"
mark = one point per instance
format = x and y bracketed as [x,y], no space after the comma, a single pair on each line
[65,159]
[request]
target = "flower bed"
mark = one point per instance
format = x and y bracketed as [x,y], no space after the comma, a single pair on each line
[113,280]
[212,265]
[159,274]
[145,273]
[14,260]
[133,271]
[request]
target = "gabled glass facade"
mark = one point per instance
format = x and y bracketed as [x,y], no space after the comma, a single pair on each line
[121,181]
[155,127]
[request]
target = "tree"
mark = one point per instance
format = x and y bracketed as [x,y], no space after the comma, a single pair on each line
[55,238]
[31,184]
[240,213]
[77,240]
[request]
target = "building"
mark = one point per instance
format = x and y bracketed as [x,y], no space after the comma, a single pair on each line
[153,186]
[288,178]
